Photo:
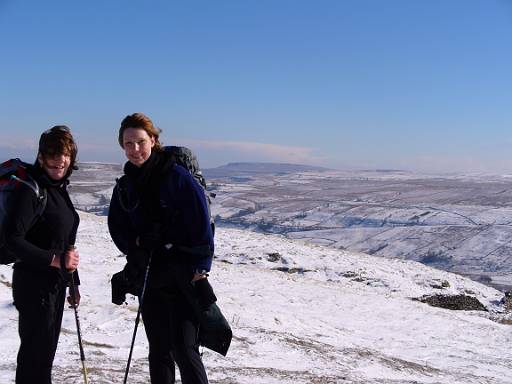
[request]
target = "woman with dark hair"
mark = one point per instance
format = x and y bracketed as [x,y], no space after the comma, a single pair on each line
[44,255]
[159,209]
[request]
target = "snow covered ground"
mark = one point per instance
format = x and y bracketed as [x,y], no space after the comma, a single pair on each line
[453,222]
[458,223]
[300,314]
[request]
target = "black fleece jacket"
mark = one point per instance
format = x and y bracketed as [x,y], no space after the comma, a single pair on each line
[35,244]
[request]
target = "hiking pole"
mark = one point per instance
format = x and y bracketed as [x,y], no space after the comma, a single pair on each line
[141,301]
[77,321]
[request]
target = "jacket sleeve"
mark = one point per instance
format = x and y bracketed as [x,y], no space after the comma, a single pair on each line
[195,229]
[20,218]
[119,225]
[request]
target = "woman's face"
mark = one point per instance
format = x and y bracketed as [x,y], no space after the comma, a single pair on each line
[137,145]
[55,166]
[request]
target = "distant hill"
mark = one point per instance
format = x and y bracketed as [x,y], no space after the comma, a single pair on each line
[252,169]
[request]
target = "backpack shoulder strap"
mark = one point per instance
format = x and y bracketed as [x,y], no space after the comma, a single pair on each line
[41,196]
[31,183]
[122,195]
[42,200]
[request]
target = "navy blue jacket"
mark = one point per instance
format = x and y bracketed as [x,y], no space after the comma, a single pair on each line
[175,205]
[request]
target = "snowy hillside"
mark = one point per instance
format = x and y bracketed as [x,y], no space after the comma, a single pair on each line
[300,314]
[458,223]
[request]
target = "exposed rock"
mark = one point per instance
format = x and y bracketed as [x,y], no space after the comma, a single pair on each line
[292,270]
[507,301]
[298,270]
[444,284]
[5,281]
[350,274]
[455,302]
[273,257]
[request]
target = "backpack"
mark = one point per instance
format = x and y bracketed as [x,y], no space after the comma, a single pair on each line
[14,173]
[186,158]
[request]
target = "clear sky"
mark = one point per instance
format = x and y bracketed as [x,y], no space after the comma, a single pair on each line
[420,85]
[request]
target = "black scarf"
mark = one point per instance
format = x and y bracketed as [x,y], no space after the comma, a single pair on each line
[146,181]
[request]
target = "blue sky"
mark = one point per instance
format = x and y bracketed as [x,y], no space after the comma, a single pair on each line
[419,85]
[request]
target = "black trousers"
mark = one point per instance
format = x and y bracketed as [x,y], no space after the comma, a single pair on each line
[171,329]
[39,298]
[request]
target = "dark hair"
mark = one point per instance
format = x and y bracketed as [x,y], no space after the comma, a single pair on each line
[58,141]
[140,121]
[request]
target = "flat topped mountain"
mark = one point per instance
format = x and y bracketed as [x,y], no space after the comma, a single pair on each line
[248,169]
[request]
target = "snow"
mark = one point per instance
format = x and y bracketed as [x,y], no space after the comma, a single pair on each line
[342,317]
[460,223]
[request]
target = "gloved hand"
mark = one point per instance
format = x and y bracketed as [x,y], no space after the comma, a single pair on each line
[76,298]
[129,280]
[137,261]
[204,292]
[150,240]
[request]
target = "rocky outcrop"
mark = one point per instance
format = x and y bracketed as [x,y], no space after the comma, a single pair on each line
[453,302]
[507,301]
